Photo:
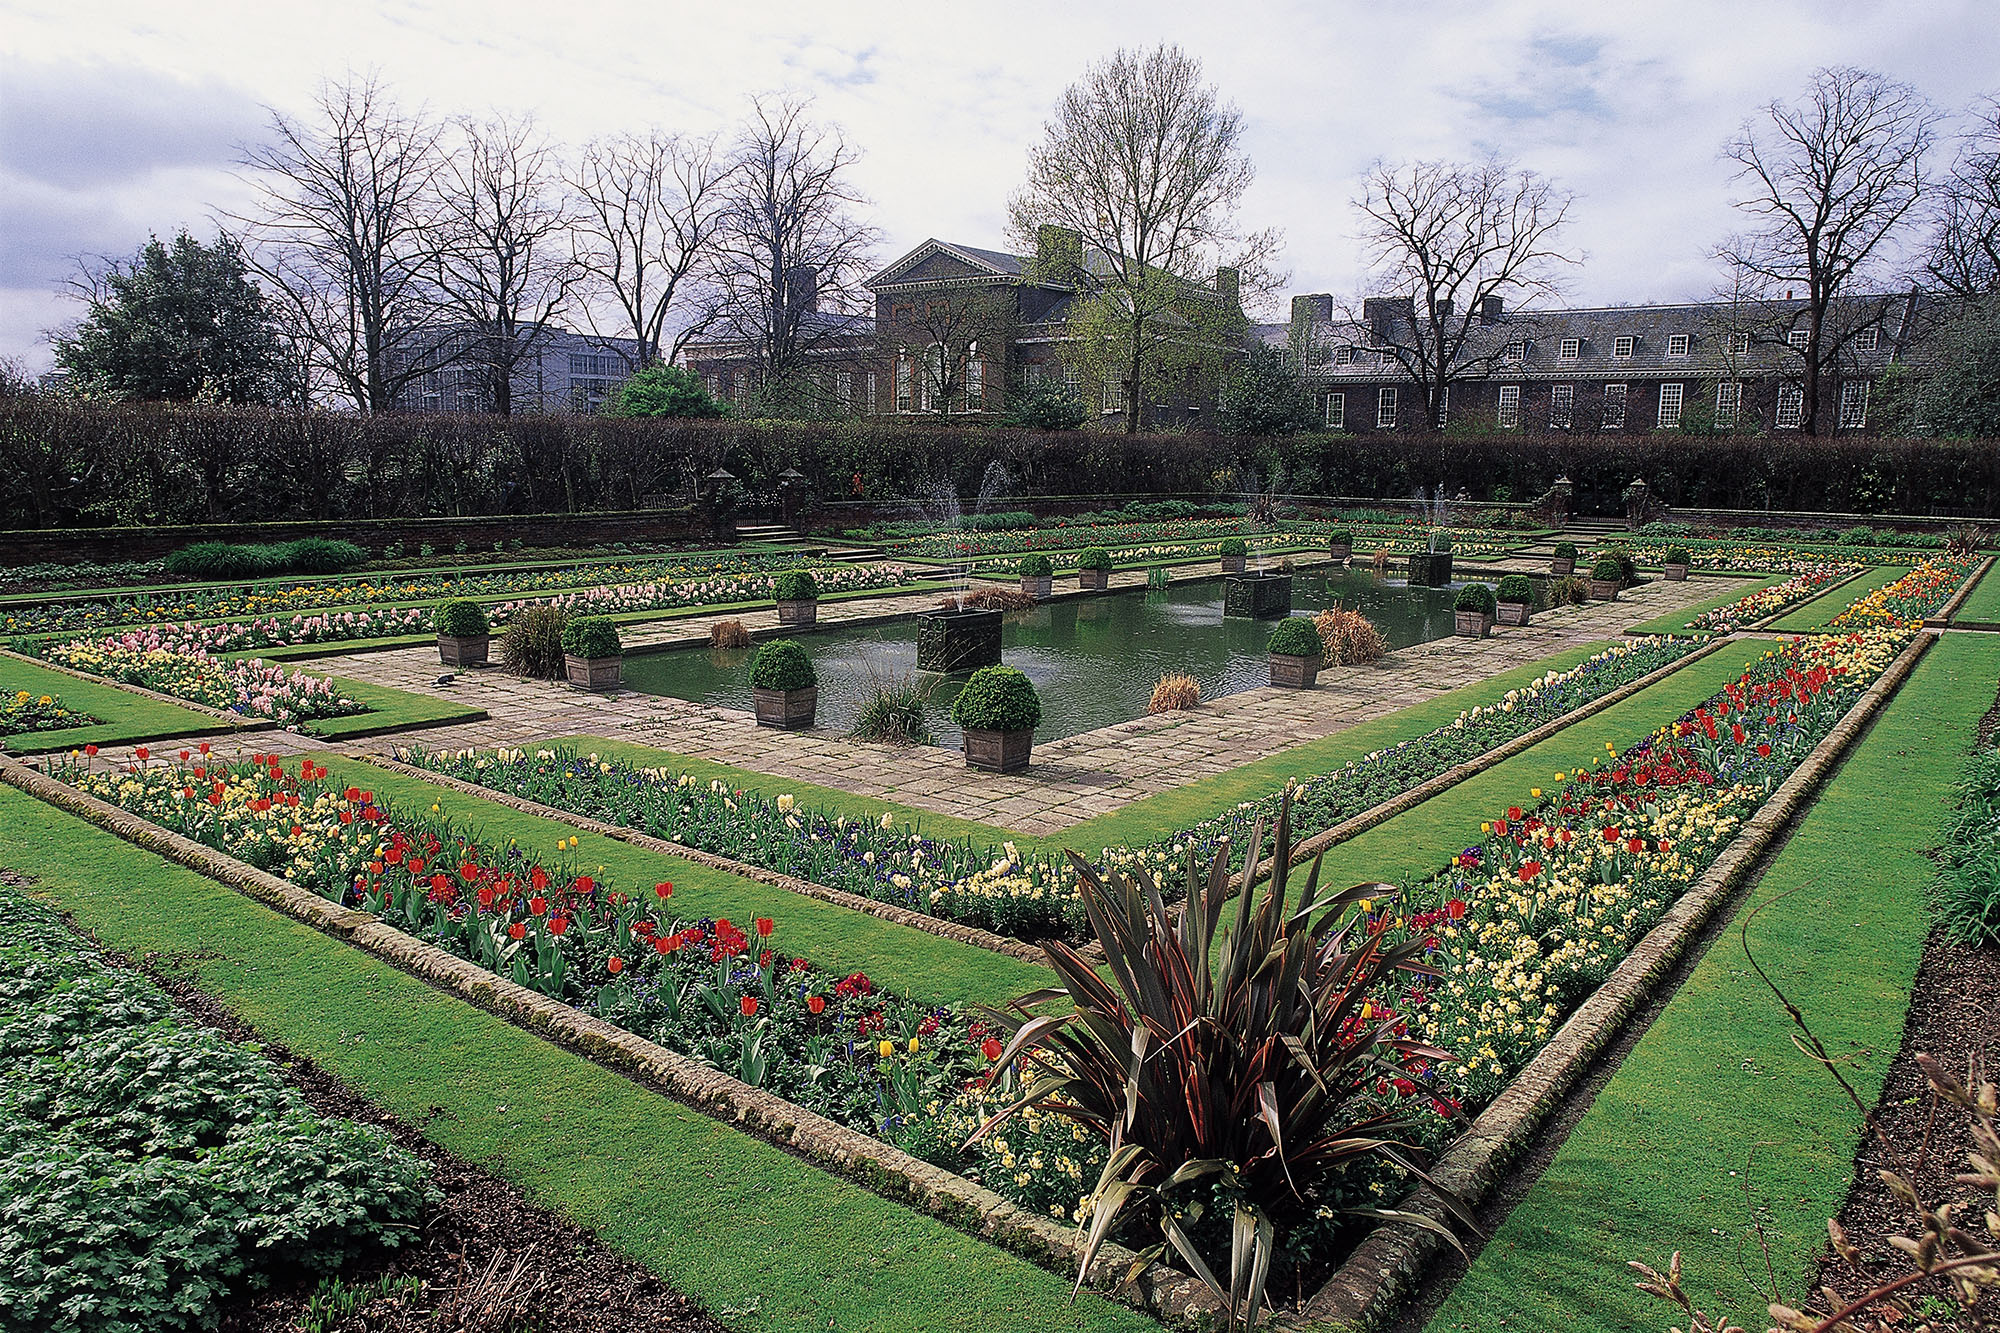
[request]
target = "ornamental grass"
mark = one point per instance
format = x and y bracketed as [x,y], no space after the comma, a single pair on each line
[533,643]
[728,634]
[1176,692]
[1348,637]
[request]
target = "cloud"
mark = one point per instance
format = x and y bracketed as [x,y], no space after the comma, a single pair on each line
[82,128]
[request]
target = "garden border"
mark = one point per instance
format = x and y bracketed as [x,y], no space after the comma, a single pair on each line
[877,1166]
[1388,1261]
[1784,611]
[237,721]
[1950,608]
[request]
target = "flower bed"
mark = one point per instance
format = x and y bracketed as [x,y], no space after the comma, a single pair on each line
[24,711]
[1755,606]
[1909,599]
[182,667]
[1177,538]
[1761,557]
[706,592]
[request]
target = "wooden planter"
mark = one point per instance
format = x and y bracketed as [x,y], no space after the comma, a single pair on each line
[1340,552]
[1038,586]
[1292,672]
[1604,590]
[951,641]
[464,650]
[1562,566]
[1677,573]
[1094,580]
[1513,613]
[788,710]
[800,611]
[1430,569]
[1471,624]
[1233,564]
[1257,596]
[594,673]
[998,751]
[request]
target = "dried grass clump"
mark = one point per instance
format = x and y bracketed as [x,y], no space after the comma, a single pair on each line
[1569,590]
[728,634]
[1176,692]
[988,599]
[1349,638]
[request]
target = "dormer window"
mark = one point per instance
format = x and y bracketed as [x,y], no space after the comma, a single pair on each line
[1799,338]
[1343,356]
[1739,343]
[1570,349]
[1867,340]
[1677,344]
[1621,347]
[1515,351]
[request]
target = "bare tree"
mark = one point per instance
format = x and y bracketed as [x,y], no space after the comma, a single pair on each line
[1145,164]
[1454,250]
[941,334]
[1832,180]
[789,252]
[345,232]
[1964,257]
[505,268]
[648,207]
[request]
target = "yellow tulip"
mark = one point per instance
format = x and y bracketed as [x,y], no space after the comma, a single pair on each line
[887,1048]
[913,1046]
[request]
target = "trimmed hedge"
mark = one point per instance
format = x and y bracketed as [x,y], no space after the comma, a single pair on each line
[998,698]
[1515,588]
[591,636]
[782,664]
[461,619]
[1094,557]
[1339,537]
[1296,637]
[1235,546]
[1475,597]
[1036,567]
[1676,555]
[796,585]
[1608,569]
[1565,550]
[249,560]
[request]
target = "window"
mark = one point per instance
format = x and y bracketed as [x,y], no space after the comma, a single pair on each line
[1385,409]
[1791,406]
[1854,405]
[1114,395]
[1728,402]
[1571,349]
[1316,355]
[975,384]
[1343,356]
[1510,406]
[1670,406]
[1621,347]
[1444,407]
[843,390]
[933,388]
[1739,343]
[869,389]
[1336,411]
[1614,407]
[1031,375]
[1562,405]
[904,403]
[1799,338]
[1867,340]
[1677,344]
[1514,351]
[1070,380]
[593,363]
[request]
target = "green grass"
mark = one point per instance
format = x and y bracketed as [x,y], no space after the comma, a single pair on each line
[389,709]
[1983,606]
[1815,614]
[767,1241]
[1714,1114]
[913,962]
[123,717]
[1676,622]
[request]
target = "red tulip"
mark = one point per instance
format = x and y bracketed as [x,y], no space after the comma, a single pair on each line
[749,1006]
[1635,845]
[538,906]
[765,926]
[1530,869]
[557,925]
[816,1004]
[1764,751]
[991,1048]
[1455,909]
[142,752]
[90,750]
[614,965]
[203,747]
[516,931]
[665,890]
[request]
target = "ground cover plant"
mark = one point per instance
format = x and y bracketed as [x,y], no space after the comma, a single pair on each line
[150,1167]
[159,660]
[25,711]
[1966,896]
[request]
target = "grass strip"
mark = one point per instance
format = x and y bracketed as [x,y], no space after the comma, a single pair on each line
[1982,607]
[1820,611]
[389,709]
[1676,622]
[765,1240]
[123,717]
[1715,1127]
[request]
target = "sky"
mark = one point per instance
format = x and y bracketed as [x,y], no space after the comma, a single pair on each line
[119,120]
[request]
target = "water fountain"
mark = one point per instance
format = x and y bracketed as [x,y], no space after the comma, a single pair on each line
[962,637]
[1431,567]
[1257,593]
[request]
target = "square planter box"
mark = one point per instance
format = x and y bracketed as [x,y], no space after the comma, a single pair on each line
[1257,596]
[1604,590]
[1038,586]
[1430,569]
[803,611]
[789,710]
[1339,552]
[1513,613]
[594,673]
[1233,564]
[1677,573]
[998,751]
[1562,566]
[1471,624]
[951,641]
[463,650]
[1291,672]
[1094,580]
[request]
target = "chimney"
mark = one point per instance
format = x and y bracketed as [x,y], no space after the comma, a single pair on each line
[1491,309]
[801,289]
[1058,252]
[1379,312]
[1228,287]
[1444,308]
[1313,309]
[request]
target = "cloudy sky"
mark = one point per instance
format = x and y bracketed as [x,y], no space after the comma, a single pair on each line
[119,119]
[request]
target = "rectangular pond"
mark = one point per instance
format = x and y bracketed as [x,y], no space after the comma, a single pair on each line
[1094,660]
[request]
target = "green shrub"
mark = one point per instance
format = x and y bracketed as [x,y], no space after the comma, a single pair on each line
[1565,550]
[1036,567]
[1967,890]
[1235,546]
[1475,597]
[1677,555]
[1607,569]
[1094,557]
[1339,537]
[1628,568]
[591,636]
[782,664]
[997,698]
[893,714]
[1569,590]
[796,585]
[660,390]
[249,560]
[461,619]
[533,643]
[321,555]
[1296,637]
[1516,588]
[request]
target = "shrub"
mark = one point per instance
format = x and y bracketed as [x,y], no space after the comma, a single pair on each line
[321,555]
[782,664]
[241,560]
[1176,692]
[796,585]
[1608,569]
[1628,568]
[461,619]
[1967,891]
[728,634]
[1676,555]
[1516,588]
[1569,590]
[1565,550]
[997,698]
[1475,597]
[660,390]
[893,713]
[1296,637]
[533,643]
[1036,567]
[1339,537]
[1348,638]
[1235,546]
[591,636]
[1094,557]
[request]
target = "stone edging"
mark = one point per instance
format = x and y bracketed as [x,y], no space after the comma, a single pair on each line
[1393,1255]
[805,888]
[876,1166]
[236,720]
[1949,610]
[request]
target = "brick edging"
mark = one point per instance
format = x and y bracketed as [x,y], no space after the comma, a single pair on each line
[876,1166]
[1949,610]
[1393,1255]
[236,720]
[805,888]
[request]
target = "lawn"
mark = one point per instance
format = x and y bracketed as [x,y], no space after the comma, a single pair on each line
[767,1241]
[1715,1124]
[1815,615]
[1982,607]
[124,718]
[389,709]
